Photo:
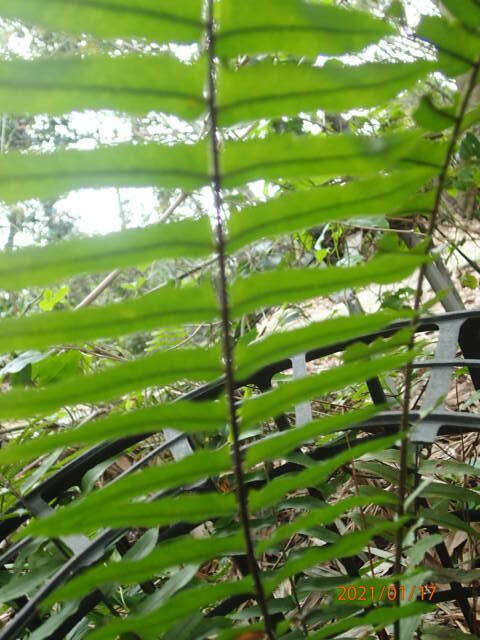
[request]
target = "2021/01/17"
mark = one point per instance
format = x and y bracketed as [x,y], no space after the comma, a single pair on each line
[390,592]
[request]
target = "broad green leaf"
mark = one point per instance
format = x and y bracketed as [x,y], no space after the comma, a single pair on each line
[168,510]
[135,84]
[177,607]
[287,156]
[294,27]
[457,48]
[295,285]
[36,266]
[302,209]
[347,546]
[49,175]
[185,416]
[315,336]
[322,516]
[313,476]
[162,20]
[267,90]
[284,397]
[467,11]
[379,618]
[157,369]
[170,553]
[432,118]
[168,306]
[279,444]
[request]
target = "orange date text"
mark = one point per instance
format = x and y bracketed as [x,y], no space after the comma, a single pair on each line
[391,592]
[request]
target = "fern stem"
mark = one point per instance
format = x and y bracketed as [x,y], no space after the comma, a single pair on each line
[242,495]
[402,489]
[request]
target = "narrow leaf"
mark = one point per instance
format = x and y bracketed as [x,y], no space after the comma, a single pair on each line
[169,510]
[164,20]
[283,398]
[317,335]
[174,610]
[166,307]
[315,475]
[197,466]
[322,516]
[379,618]
[457,47]
[294,27]
[36,266]
[177,552]
[285,156]
[431,117]
[135,84]
[280,444]
[267,90]
[295,285]
[300,210]
[184,416]
[347,546]
[161,368]
[49,175]
[467,11]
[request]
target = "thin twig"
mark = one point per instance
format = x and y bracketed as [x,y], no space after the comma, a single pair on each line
[403,430]
[241,489]
[99,289]
[112,276]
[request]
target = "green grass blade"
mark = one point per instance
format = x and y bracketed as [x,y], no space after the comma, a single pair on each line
[379,618]
[348,545]
[313,476]
[322,516]
[467,11]
[94,510]
[457,47]
[278,445]
[197,466]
